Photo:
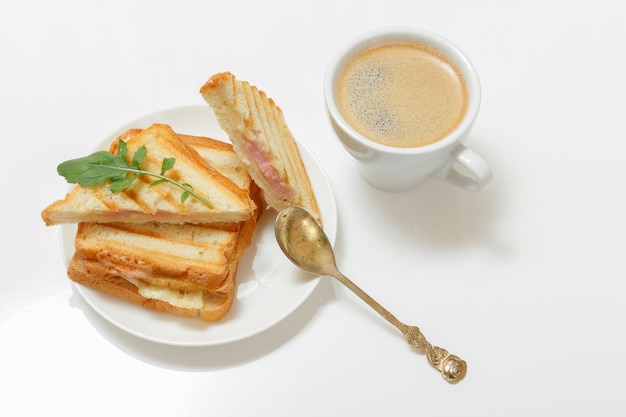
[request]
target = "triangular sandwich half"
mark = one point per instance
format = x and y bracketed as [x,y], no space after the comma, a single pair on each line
[142,202]
[257,128]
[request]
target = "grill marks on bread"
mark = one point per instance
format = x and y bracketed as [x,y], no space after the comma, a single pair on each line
[247,114]
[143,203]
[196,254]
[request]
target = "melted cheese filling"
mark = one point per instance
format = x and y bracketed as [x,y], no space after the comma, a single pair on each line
[177,298]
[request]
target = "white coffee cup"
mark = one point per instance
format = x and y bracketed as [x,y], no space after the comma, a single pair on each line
[393,168]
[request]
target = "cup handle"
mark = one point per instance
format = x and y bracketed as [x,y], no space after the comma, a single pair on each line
[467,170]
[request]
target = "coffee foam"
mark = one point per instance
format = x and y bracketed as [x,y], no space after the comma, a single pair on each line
[402,94]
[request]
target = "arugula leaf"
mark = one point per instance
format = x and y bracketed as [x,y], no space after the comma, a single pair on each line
[139,156]
[186,194]
[167,164]
[103,166]
[122,149]
[118,185]
[93,169]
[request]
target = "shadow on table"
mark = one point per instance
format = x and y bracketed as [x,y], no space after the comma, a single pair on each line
[435,214]
[210,357]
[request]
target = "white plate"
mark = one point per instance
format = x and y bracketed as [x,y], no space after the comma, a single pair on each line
[269,288]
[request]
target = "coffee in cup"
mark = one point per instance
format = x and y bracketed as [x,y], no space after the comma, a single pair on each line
[402,101]
[402,94]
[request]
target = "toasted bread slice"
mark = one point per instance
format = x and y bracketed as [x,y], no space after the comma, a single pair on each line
[143,203]
[193,254]
[208,306]
[261,138]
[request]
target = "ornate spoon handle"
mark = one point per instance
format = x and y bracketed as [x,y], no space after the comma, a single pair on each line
[452,368]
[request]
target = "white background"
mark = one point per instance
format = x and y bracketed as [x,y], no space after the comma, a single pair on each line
[525,281]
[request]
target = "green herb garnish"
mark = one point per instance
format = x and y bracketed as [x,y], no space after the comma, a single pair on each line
[103,166]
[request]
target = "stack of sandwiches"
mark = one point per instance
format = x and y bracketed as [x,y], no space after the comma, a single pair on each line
[148,246]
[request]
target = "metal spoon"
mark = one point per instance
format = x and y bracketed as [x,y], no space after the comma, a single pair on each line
[304,242]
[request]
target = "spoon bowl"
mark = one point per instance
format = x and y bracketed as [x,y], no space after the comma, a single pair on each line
[304,242]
